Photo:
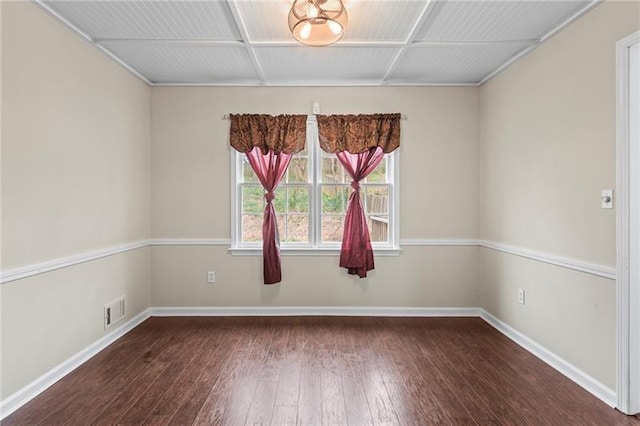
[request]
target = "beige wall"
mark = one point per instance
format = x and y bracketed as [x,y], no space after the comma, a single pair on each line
[421,276]
[190,199]
[547,149]
[76,143]
[88,152]
[190,155]
[50,317]
[75,177]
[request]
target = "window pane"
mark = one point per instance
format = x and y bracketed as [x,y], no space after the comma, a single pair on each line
[377,199]
[298,199]
[282,226]
[297,228]
[334,198]
[317,182]
[297,171]
[279,202]
[332,227]
[332,171]
[379,174]
[378,227]
[248,175]
[252,199]
[251,228]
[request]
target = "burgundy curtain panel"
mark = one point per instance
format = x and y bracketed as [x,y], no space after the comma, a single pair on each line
[356,253]
[359,142]
[269,142]
[270,168]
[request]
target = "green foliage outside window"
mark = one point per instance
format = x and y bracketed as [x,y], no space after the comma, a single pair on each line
[291,201]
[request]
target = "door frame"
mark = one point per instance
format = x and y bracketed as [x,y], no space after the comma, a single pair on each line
[628,237]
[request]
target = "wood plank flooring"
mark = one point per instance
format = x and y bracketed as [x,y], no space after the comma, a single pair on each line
[315,371]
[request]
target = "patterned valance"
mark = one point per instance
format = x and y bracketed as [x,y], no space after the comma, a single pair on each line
[280,133]
[359,133]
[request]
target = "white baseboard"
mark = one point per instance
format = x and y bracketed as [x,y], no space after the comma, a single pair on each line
[270,311]
[593,386]
[33,389]
[24,395]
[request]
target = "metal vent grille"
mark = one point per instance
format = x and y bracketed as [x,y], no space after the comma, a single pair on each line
[114,312]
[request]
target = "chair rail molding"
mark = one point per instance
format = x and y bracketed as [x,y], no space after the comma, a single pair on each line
[190,242]
[64,262]
[553,259]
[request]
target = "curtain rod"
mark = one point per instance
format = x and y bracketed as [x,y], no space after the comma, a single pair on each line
[226,116]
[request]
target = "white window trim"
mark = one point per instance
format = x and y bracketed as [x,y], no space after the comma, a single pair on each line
[392,248]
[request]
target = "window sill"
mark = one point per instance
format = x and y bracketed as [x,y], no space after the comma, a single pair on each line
[251,251]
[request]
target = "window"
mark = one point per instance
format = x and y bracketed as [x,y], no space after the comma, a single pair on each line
[311,202]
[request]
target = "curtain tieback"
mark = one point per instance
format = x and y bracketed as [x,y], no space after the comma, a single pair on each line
[355,185]
[269,196]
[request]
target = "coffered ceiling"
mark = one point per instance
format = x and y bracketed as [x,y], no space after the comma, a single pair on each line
[247,42]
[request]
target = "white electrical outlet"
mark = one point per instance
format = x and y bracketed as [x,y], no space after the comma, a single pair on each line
[211,276]
[521,296]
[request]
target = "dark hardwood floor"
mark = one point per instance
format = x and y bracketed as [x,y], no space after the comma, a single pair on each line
[315,371]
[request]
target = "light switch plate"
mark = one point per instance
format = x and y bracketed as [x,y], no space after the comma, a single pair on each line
[606,199]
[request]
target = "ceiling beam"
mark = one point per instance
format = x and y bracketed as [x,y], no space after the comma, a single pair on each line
[426,12]
[445,43]
[172,42]
[355,43]
[241,43]
[235,12]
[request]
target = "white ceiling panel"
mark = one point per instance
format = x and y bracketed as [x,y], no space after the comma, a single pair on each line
[179,63]
[248,42]
[156,19]
[451,65]
[337,65]
[266,21]
[495,20]
[382,20]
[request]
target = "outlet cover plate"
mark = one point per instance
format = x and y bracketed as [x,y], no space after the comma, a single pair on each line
[606,199]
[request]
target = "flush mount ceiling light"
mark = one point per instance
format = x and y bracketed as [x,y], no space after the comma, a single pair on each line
[317,22]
